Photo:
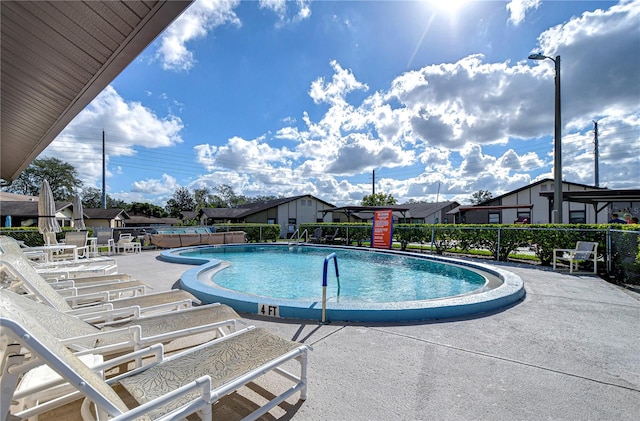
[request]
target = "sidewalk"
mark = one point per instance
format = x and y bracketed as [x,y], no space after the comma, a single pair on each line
[570,351]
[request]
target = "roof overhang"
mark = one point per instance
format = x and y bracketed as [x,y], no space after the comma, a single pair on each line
[496,207]
[57,57]
[598,196]
[350,211]
[595,197]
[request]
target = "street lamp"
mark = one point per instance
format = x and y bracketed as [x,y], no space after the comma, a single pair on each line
[557,152]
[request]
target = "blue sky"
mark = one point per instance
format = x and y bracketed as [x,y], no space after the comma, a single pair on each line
[310,97]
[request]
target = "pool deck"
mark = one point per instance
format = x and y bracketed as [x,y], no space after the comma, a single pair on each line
[570,350]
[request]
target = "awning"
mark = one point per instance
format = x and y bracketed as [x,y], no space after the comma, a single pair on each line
[57,57]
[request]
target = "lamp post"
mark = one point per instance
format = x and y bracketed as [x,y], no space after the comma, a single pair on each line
[557,143]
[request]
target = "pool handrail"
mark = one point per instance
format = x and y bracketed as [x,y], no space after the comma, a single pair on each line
[304,234]
[324,283]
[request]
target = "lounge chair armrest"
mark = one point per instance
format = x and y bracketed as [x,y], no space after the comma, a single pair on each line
[97,297]
[106,317]
[175,305]
[99,278]
[202,383]
[96,308]
[61,284]
[134,334]
[156,351]
[193,331]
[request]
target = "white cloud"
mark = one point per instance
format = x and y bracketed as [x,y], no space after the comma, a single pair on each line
[334,92]
[519,8]
[196,22]
[127,125]
[281,8]
[166,185]
[438,127]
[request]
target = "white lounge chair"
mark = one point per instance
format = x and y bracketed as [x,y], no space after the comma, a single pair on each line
[584,251]
[104,293]
[61,268]
[168,388]
[127,244]
[81,335]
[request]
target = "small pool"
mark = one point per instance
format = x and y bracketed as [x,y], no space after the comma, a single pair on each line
[296,273]
[374,285]
[184,230]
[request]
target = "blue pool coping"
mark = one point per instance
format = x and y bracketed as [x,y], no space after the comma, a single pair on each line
[508,293]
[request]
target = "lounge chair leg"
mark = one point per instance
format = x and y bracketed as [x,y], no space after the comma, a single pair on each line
[303,376]
[8,380]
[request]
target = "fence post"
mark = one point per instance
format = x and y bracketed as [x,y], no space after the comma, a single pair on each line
[608,253]
[433,237]
[498,250]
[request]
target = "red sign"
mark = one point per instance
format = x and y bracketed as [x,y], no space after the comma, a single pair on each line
[382,229]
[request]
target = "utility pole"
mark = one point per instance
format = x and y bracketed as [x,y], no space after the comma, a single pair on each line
[104,175]
[595,152]
[373,183]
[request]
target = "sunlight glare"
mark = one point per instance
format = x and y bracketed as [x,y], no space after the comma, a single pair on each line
[450,7]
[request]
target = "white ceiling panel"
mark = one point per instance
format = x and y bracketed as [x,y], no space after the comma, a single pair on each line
[57,56]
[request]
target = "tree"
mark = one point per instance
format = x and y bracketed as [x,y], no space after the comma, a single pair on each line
[203,198]
[181,201]
[228,196]
[62,177]
[378,199]
[260,199]
[480,196]
[92,199]
[147,209]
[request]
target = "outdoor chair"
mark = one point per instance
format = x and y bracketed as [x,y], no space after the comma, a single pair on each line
[105,239]
[317,236]
[584,251]
[78,239]
[329,239]
[126,244]
[168,387]
[118,336]
[100,294]
[50,238]
[61,268]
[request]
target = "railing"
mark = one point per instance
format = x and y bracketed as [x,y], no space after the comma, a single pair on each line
[304,234]
[324,283]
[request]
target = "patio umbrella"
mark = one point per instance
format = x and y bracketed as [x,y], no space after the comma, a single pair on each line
[78,213]
[47,210]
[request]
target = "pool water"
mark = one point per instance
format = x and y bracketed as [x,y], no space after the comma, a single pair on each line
[296,273]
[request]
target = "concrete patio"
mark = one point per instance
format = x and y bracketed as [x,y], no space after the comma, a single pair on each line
[570,350]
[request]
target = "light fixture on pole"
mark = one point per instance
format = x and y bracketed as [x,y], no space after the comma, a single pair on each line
[557,151]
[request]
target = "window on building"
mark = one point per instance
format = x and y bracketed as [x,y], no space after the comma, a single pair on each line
[292,221]
[577,217]
[494,218]
[271,221]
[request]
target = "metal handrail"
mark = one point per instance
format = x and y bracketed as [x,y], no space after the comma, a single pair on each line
[324,283]
[304,233]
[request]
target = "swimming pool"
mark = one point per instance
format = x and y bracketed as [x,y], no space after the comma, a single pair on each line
[375,285]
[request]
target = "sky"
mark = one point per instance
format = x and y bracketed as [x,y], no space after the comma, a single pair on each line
[436,98]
